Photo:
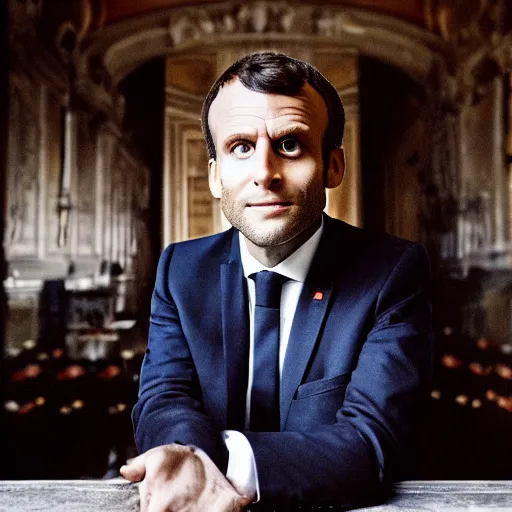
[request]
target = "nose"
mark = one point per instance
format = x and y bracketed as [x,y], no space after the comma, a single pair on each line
[266,170]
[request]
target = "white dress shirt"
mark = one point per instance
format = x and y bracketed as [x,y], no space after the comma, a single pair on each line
[242,472]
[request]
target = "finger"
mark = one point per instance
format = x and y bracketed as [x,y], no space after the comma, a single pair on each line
[144,496]
[135,470]
[161,498]
[156,504]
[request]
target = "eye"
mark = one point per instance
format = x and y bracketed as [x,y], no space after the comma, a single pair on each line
[242,150]
[289,147]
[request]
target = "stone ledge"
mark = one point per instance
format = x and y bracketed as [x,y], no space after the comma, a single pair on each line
[452,496]
[116,495]
[120,496]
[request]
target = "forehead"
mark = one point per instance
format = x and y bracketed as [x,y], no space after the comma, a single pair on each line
[237,108]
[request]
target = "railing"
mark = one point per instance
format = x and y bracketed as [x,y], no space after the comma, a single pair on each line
[120,496]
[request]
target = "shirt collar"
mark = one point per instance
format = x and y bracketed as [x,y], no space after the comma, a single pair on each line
[295,267]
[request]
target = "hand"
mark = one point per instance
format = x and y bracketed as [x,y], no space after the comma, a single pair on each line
[176,478]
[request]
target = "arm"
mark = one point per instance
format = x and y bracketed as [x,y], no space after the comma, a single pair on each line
[169,408]
[352,461]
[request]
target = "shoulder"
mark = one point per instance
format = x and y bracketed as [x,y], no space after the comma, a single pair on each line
[384,254]
[191,255]
[350,239]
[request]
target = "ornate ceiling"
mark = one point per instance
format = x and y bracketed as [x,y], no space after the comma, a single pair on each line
[442,17]
[102,41]
[415,11]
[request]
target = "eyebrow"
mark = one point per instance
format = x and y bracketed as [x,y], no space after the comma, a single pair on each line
[233,137]
[291,129]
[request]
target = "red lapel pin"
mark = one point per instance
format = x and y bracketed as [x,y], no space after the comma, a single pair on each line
[318,296]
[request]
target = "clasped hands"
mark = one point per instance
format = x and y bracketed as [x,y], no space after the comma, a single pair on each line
[176,478]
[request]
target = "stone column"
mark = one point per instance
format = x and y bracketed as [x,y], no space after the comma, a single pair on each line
[483,225]
[4,117]
[500,213]
[344,202]
[43,171]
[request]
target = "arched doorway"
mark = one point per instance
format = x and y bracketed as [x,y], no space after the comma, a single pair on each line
[200,41]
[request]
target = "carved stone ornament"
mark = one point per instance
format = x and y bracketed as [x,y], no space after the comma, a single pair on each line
[106,57]
[467,23]
[245,18]
[193,24]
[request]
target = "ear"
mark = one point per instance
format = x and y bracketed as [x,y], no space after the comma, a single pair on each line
[336,169]
[214,178]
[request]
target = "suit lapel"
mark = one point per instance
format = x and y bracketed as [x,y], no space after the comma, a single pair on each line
[307,322]
[235,330]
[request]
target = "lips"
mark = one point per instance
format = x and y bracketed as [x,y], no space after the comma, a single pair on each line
[270,209]
[269,204]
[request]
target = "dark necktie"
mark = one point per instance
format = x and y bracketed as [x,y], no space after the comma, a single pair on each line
[265,383]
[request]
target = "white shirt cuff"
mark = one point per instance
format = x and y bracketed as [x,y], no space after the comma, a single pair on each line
[242,472]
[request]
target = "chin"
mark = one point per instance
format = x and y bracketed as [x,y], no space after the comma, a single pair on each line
[269,238]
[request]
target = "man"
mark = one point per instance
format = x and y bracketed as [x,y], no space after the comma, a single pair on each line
[310,407]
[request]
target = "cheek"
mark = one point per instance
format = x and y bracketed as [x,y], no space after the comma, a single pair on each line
[230,195]
[233,176]
[307,176]
[230,181]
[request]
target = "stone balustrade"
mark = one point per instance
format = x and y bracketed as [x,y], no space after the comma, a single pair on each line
[120,496]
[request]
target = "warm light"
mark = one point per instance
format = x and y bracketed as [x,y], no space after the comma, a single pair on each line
[506,348]
[11,406]
[462,399]
[483,344]
[29,344]
[26,408]
[109,372]
[502,402]
[29,372]
[72,371]
[505,372]
[32,371]
[13,352]
[57,353]
[127,354]
[77,404]
[478,369]
[450,361]
[435,394]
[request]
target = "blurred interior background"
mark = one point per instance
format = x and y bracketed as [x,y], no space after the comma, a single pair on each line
[105,165]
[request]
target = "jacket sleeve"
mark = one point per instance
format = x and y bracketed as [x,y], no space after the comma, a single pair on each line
[352,461]
[169,407]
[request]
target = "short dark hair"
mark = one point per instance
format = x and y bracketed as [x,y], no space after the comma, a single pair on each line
[277,73]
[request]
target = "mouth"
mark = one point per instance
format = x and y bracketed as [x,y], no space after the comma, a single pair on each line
[270,209]
[270,204]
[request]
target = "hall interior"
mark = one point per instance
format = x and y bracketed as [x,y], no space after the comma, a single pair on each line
[105,164]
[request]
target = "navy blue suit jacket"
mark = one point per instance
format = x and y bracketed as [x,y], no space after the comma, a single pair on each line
[355,374]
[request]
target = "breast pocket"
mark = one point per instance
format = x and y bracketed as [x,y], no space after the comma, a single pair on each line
[316,403]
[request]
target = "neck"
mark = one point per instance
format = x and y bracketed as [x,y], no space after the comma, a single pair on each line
[273,255]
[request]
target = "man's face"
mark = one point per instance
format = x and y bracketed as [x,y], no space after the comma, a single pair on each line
[269,172]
